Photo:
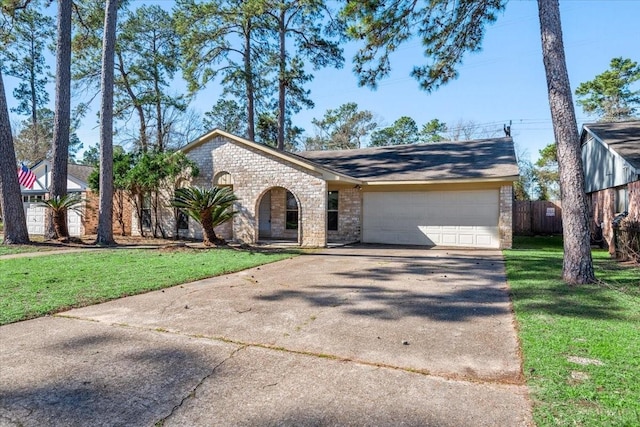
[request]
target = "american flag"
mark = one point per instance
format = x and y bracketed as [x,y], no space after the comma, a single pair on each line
[26,177]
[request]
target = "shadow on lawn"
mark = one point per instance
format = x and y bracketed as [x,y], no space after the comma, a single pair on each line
[537,287]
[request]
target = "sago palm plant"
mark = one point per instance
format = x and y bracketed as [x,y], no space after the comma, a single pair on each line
[59,205]
[208,206]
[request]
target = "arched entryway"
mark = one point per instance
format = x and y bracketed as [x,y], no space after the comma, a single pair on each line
[279,216]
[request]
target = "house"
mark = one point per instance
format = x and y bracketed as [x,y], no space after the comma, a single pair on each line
[611,162]
[446,193]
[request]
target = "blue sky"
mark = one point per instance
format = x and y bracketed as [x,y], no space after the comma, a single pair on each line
[504,82]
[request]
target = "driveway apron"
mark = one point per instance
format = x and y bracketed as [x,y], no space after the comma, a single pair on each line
[357,335]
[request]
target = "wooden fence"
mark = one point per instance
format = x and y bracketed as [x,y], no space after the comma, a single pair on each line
[537,217]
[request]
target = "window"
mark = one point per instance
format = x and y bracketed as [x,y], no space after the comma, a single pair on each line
[183,220]
[33,198]
[223,179]
[622,202]
[292,212]
[332,211]
[146,212]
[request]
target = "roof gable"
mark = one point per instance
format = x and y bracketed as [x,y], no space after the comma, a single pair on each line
[77,176]
[621,137]
[327,174]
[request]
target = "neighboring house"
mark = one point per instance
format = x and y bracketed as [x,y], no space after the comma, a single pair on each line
[447,193]
[77,177]
[611,162]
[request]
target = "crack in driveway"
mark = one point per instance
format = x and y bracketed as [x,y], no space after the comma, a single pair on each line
[507,381]
[193,392]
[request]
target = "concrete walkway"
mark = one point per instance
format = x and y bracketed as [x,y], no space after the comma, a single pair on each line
[348,336]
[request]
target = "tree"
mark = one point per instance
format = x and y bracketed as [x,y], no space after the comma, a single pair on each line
[450,29]
[402,131]
[525,187]
[122,165]
[209,206]
[342,128]
[314,31]
[154,174]
[105,212]
[577,263]
[267,131]
[206,32]
[62,118]
[464,130]
[24,59]
[14,220]
[229,116]
[609,94]
[91,156]
[34,143]
[146,62]
[546,173]
[433,131]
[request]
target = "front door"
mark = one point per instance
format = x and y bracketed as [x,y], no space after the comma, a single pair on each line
[264,216]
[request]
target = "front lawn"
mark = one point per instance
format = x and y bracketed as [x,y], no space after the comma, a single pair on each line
[37,244]
[33,287]
[581,345]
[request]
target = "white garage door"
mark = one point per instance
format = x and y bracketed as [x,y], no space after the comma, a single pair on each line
[36,217]
[445,218]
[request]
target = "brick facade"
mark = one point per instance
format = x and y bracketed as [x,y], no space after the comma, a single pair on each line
[505,219]
[90,215]
[254,173]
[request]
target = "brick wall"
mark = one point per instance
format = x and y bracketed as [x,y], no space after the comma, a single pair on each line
[505,220]
[255,172]
[90,215]
[349,216]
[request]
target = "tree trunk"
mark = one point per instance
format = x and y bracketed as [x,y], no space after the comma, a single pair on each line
[144,144]
[105,212]
[248,75]
[60,223]
[208,234]
[34,98]
[282,80]
[120,211]
[15,223]
[578,265]
[62,121]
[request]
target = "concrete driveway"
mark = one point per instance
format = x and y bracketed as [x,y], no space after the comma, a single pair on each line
[348,336]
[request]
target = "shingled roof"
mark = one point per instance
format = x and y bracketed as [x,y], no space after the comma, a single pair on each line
[622,137]
[80,172]
[476,159]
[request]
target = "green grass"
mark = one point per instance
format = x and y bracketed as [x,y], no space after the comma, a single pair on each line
[17,249]
[33,287]
[35,246]
[556,322]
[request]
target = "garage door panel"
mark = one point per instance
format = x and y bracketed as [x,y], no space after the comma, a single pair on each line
[448,218]
[35,214]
